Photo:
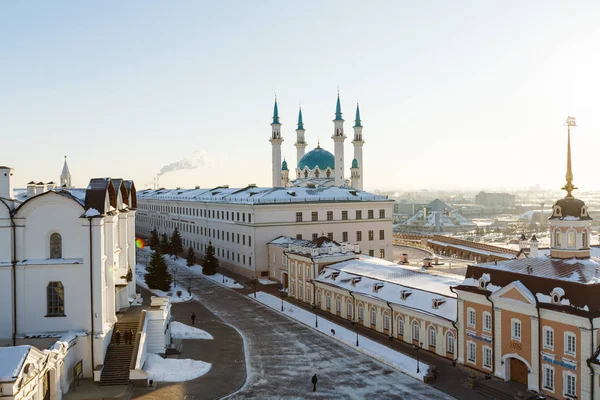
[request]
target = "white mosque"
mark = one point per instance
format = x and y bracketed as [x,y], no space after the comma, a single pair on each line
[318,167]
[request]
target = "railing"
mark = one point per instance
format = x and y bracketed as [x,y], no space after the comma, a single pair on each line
[138,357]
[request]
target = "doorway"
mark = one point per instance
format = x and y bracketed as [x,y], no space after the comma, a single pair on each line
[518,371]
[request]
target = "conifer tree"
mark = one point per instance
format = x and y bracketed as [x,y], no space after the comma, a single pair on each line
[210,263]
[157,274]
[191,257]
[176,245]
[154,240]
[165,245]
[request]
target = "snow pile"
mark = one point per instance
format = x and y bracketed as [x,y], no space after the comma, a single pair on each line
[393,358]
[182,331]
[267,282]
[140,271]
[92,212]
[174,370]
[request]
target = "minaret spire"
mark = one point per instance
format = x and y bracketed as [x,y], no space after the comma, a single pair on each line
[357,118]
[338,140]
[276,141]
[569,187]
[338,108]
[300,124]
[275,113]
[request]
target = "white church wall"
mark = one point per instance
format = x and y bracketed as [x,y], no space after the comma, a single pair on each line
[6,310]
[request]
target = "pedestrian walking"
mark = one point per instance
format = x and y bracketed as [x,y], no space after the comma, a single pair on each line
[131,336]
[193,318]
[314,382]
[118,337]
[126,337]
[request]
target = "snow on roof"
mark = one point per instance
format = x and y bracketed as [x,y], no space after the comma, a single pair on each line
[284,241]
[473,249]
[66,339]
[386,281]
[255,195]
[11,361]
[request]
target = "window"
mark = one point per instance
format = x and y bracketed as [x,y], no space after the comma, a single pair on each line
[386,321]
[548,376]
[450,343]
[315,216]
[298,217]
[292,287]
[55,245]
[487,357]
[487,321]
[344,215]
[338,305]
[370,214]
[584,239]
[373,316]
[249,241]
[244,240]
[548,338]
[307,298]
[381,234]
[569,384]
[571,239]
[300,291]
[308,272]
[315,236]
[400,326]
[371,253]
[358,214]
[570,346]
[515,331]
[319,297]
[432,336]
[299,236]
[471,352]
[358,236]
[371,235]
[330,235]
[344,236]
[349,309]
[381,213]
[328,301]
[55,299]
[381,253]
[361,313]
[329,215]
[416,330]
[557,238]
[471,318]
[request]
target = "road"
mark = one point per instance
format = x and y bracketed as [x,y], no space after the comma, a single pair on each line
[282,354]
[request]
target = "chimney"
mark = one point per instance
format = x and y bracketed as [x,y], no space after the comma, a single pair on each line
[533,249]
[6,188]
[40,188]
[523,243]
[31,189]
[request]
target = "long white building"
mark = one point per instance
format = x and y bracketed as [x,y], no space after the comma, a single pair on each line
[241,222]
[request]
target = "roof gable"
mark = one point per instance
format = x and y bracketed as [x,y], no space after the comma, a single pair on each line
[516,291]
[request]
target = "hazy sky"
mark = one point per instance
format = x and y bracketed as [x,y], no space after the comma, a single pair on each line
[452,94]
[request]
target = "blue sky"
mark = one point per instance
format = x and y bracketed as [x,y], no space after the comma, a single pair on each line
[453,94]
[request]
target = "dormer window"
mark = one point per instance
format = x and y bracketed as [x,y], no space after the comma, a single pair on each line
[377,286]
[484,280]
[334,275]
[404,294]
[556,295]
[482,284]
[355,281]
[436,303]
[557,211]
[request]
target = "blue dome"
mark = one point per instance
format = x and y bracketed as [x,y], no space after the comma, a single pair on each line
[317,158]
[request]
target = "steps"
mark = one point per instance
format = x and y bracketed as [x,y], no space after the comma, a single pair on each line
[492,393]
[118,357]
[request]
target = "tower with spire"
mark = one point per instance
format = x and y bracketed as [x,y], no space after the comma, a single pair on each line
[276,141]
[65,176]
[300,142]
[357,163]
[338,140]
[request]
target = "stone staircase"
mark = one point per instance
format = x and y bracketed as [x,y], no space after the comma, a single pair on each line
[496,392]
[118,357]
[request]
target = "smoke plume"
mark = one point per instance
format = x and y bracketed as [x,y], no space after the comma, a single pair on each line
[193,161]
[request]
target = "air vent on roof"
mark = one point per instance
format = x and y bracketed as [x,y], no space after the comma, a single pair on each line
[377,286]
[436,303]
[197,187]
[225,186]
[356,280]
[335,275]
[311,185]
[291,193]
[353,192]
[250,185]
[404,294]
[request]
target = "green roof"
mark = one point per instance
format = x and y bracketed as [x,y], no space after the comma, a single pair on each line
[317,158]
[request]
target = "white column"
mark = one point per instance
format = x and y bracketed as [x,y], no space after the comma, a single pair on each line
[584,376]
[358,155]
[407,329]
[440,349]
[535,355]
[338,139]
[498,368]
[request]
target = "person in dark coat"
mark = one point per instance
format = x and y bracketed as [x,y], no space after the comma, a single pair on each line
[314,382]
[193,318]
[126,337]
[131,336]
[118,337]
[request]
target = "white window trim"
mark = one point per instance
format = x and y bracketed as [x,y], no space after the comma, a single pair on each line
[474,361]
[429,330]
[544,345]
[418,326]
[565,374]
[513,321]
[386,317]
[487,329]
[469,311]
[448,335]
[544,368]
[567,352]
[484,348]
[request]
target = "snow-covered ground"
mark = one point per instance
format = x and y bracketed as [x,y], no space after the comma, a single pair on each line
[174,370]
[183,331]
[393,358]
[140,271]
[267,282]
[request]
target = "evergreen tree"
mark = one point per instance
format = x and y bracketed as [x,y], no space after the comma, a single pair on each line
[157,274]
[154,240]
[165,245]
[210,263]
[176,245]
[191,257]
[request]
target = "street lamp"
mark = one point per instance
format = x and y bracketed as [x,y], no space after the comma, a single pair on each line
[282,291]
[316,307]
[254,281]
[358,322]
[417,348]
[174,276]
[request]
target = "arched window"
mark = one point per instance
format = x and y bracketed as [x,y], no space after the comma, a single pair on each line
[450,343]
[328,300]
[557,238]
[338,304]
[400,326]
[305,173]
[55,299]
[373,316]
[317,173]
[55,245]
[571,239]
[416,330]
[328,173]
[432,336]
[361,312]
[386,321]
[349,309]
[584,243]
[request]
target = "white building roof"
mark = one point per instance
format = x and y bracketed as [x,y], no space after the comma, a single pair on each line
[256,195]
[11,361]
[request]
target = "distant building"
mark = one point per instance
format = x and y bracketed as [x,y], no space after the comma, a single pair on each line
[495,199]
[438,216]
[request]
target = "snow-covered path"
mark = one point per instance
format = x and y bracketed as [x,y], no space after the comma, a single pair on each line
[282,354]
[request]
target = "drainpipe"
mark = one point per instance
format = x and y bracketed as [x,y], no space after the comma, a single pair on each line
[391,321]
[540,344]
[457,342]
[354,310]
[91,299]
[589,364]
[14,272]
